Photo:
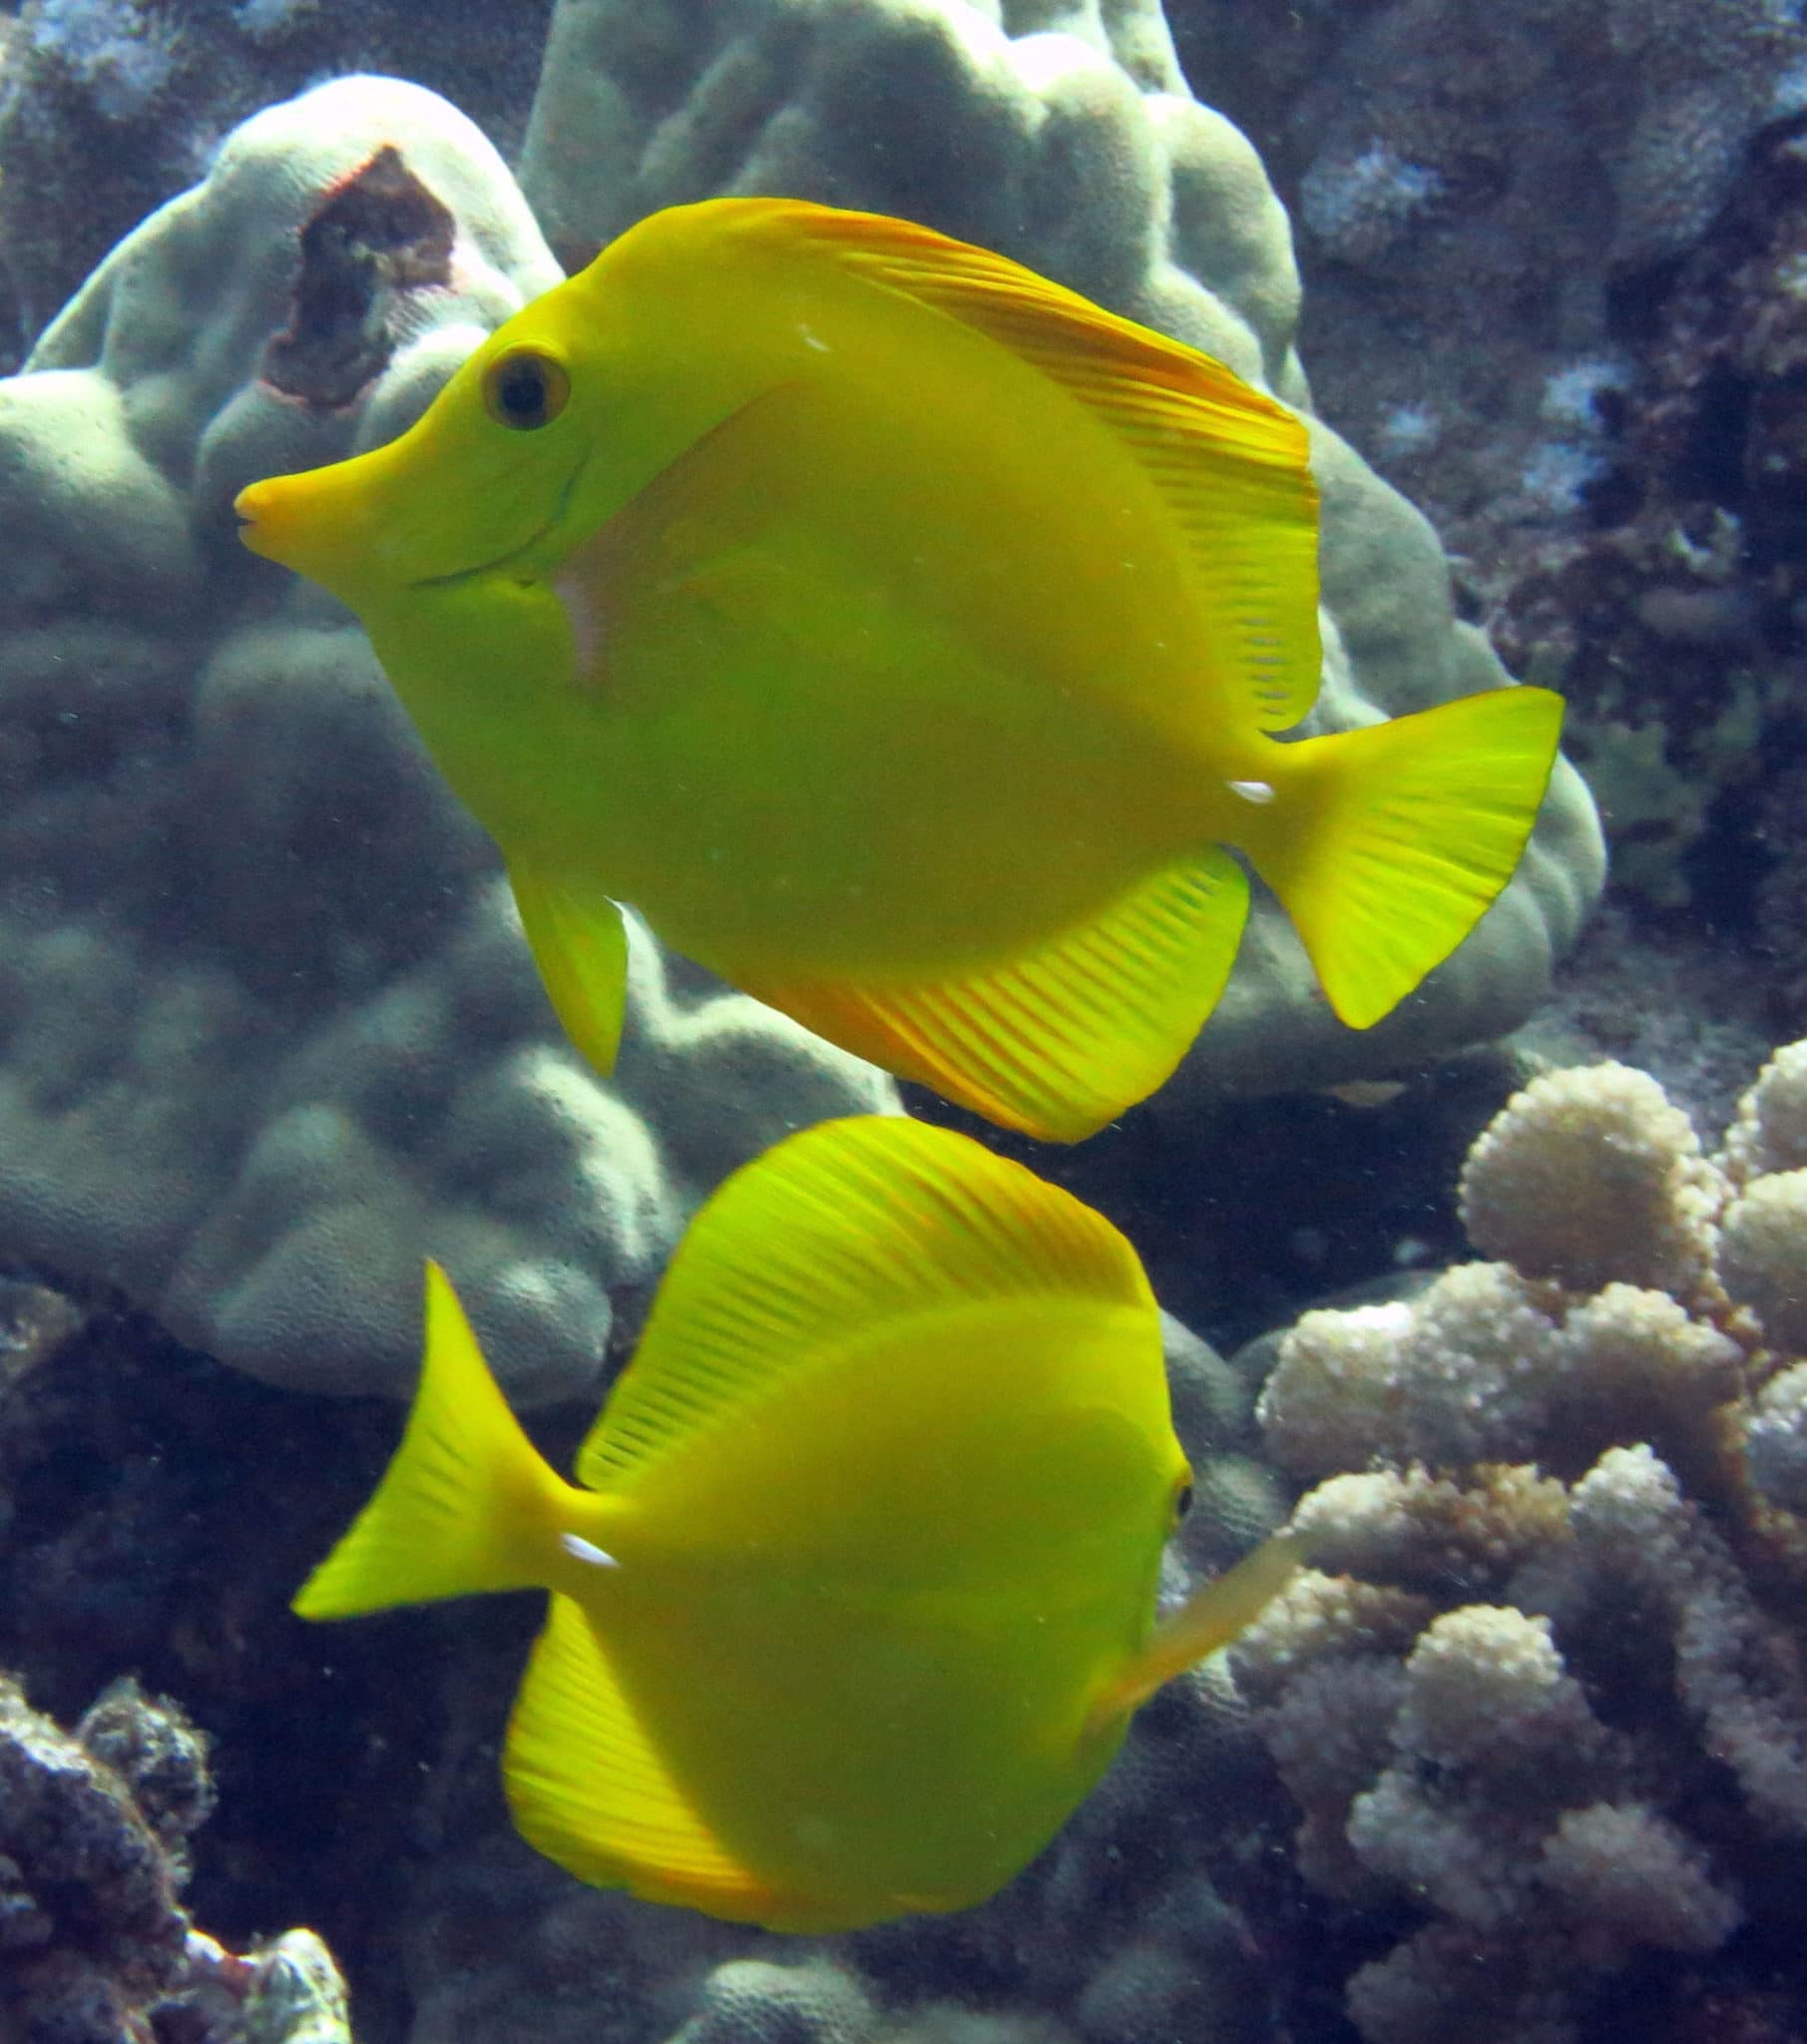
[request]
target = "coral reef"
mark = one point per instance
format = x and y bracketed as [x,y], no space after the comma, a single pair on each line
[110,107]
[1544,1688]
[268,1031]
[159,1510]
[1677,625]
[1065,137]
[1479,180]
[1552,259]
[1552,266]
[92,1853]
[359,1775]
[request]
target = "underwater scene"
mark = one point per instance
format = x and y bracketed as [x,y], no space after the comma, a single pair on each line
[903,1022]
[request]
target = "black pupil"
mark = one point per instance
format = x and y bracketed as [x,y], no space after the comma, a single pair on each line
[522,393]
[1183,1502]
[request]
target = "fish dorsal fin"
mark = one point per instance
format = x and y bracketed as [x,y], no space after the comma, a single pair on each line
[1231,463]
[588,1789]
[838,1230]
[1062,1041]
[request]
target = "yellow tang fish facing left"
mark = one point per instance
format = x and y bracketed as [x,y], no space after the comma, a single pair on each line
[906,638]
[856,1593]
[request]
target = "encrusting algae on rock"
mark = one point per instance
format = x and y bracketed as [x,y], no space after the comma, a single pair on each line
[790,567]
[818,1653]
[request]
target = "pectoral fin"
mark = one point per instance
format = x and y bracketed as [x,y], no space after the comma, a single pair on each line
[1211,1617]
[580,945]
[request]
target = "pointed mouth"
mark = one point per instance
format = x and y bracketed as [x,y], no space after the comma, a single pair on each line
[302,523]
[253,524]
[274,521]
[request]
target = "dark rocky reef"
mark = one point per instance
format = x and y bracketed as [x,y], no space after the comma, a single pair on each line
[96,1946]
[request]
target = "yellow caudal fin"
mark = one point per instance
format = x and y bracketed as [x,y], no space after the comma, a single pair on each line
[1211,1617]
[589,1790]
[581,949]
[467,1503]
[1062,1040]
[1387,844]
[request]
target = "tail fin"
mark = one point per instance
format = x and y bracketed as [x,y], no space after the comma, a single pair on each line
[467,1504]
[1390,843]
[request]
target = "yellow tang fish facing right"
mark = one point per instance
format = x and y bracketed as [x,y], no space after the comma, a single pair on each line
[906,638]
[855,1593]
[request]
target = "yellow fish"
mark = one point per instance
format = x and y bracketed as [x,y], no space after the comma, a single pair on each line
[906,638]
[856,1591]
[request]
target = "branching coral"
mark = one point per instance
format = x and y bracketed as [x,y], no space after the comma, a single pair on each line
[1590,1176]
[1546,1685]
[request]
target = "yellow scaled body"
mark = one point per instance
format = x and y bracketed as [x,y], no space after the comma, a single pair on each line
[905,637]
[856,1592]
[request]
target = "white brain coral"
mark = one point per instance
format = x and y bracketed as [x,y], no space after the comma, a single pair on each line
[1590,1176]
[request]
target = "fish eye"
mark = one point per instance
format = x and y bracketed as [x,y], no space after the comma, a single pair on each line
[525,389]
[1183,1500]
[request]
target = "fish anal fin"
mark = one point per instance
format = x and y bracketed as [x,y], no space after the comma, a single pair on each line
[1231,463]
[588,1791]
[581,949]
[1060,1041]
